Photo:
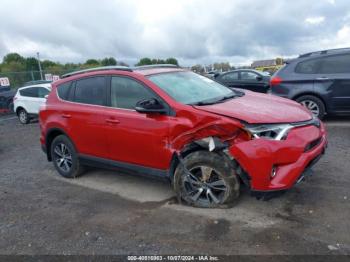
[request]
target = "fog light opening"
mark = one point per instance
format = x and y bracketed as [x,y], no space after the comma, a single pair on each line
[273,172]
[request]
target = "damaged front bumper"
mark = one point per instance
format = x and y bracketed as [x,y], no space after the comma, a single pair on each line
[272,165]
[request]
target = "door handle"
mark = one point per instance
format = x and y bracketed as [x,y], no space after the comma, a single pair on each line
[112,121]
[66,116]
[322,78]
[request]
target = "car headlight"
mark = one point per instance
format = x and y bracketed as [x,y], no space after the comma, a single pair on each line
[271,131]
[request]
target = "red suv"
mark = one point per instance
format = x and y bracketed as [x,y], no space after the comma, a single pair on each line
[169,122]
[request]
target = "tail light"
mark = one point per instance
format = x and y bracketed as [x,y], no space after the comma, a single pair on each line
[275,81]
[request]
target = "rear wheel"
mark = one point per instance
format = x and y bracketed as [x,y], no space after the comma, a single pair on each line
[314,104]
[208,181]
[23,116]
[65,157]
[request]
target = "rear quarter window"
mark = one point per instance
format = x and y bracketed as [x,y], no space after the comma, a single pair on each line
[63,90]
[29,92]
[308,67]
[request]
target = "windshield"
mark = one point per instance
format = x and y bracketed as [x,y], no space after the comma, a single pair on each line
[190,88]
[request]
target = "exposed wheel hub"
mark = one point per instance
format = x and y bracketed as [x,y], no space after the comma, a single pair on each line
[204,184]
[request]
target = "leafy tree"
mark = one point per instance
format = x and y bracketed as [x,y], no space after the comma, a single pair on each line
[172,61]
[48,63]
[32,64]
[198,69]
[13,57]
[108,61]
[279,61]
[144,61]
[223,66]
[91,62]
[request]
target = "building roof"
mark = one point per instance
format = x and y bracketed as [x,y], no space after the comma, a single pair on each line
[262,63]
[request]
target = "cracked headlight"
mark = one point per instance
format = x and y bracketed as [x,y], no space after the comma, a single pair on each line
[273,131]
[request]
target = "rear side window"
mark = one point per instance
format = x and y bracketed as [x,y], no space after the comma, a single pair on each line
[63,90]
[91,91]
[230,76]
[308,66]
[247,76]
[335,64]
[29,92]
[42,92]
[125,92]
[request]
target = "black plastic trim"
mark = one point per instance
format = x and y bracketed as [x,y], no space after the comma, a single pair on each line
[122,166]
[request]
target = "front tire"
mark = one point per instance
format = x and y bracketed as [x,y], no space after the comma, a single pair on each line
[314,104]
[209,181]
[65,157]
[23,116]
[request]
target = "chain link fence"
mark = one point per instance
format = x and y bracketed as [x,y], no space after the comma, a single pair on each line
[18,79]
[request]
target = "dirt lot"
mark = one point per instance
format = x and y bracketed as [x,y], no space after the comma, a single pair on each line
[108,213]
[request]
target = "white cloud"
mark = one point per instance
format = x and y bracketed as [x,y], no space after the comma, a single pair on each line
[196,31]
[315,20]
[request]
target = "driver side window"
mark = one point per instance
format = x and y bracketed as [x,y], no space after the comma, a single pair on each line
[125,92]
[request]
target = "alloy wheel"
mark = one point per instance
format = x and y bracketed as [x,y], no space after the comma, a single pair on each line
[312,106]
[23,117]
[63,157]
[203,184]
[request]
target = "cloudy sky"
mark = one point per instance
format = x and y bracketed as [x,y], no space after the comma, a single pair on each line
[194,31]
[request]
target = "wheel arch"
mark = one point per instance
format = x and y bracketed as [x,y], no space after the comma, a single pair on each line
[175,159]
[312,94]
[19,108]
[50,136]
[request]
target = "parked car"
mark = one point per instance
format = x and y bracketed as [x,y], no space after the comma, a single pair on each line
[6,98]
[37,82]
[249,79]
[168,122]
[212,74]
[319,80]
[28,100]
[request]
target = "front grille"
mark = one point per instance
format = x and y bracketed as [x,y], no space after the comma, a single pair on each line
[313,144]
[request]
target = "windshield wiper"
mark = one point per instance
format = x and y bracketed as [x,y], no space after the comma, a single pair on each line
[216,100]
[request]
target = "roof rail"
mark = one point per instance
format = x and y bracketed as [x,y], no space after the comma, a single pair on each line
[123,68]
[145,67]
[322,52]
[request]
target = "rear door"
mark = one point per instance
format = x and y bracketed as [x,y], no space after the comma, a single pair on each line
[334,74]
[252,81]
[85,115]
[28,99]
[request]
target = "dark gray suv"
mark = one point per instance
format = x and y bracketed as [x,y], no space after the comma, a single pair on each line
[318,80]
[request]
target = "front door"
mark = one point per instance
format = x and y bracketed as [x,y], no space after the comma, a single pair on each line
[252,81]
[136,138]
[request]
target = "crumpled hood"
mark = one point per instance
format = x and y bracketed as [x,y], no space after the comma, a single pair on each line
[257,108]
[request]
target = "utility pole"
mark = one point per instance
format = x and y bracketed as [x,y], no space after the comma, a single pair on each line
[41,72]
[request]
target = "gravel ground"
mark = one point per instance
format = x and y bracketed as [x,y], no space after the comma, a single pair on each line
[43,214]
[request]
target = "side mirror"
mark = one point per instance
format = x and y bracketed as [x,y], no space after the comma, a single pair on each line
[46,96]
[259,78]
[149,106]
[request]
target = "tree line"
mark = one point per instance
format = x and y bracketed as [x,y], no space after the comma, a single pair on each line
[20,69]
